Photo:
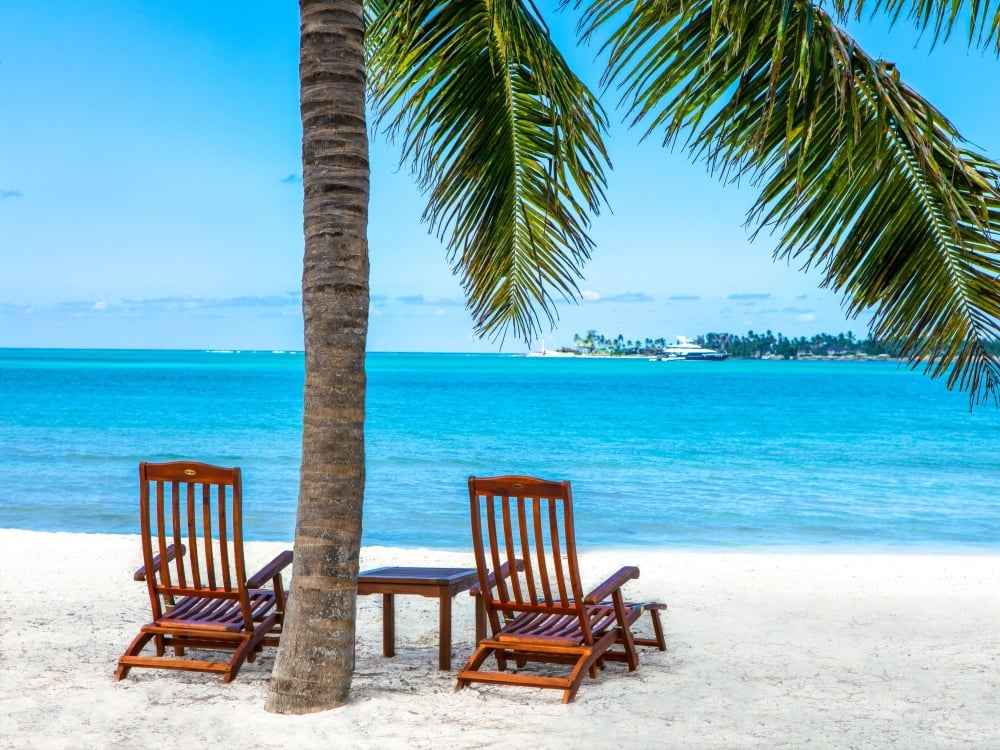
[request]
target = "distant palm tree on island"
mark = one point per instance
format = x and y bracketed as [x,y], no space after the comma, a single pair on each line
[859,177]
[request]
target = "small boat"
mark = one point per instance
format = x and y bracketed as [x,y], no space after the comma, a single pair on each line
[686,350]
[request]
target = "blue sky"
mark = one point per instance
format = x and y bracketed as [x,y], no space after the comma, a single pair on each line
[150,195]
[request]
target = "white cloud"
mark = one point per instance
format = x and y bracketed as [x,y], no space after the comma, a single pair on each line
[630,297]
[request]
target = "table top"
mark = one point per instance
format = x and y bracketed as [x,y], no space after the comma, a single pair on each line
[439,576]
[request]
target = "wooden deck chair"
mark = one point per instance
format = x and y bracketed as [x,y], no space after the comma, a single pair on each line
[523,538]
[192,551]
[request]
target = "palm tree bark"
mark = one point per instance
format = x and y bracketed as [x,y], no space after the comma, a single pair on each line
[315,660]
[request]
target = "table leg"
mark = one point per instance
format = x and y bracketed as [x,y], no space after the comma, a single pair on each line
[444,646]
[388,625]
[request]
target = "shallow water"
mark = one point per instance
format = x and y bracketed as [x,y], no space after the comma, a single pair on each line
[731,454]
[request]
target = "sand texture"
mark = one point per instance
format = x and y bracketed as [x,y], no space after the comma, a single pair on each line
[766,650]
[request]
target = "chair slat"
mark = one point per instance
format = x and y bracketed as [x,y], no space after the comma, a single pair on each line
[522,552]
[491,520]
[509,547]
[557,551]
[160,532]
[176,516]
[227,581]
[192,533]
[538,551]
[207,533]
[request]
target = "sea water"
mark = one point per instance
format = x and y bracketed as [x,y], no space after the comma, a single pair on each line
[683,454]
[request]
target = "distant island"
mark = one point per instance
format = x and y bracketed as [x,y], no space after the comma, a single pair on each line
[765,345]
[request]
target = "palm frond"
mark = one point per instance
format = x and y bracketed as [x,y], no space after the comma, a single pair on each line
[981,17]
[858,175]
[504,138]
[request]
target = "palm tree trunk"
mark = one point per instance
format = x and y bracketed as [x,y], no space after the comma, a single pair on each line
[315,661]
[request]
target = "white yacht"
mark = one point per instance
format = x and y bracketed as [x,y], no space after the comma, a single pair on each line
[685,349]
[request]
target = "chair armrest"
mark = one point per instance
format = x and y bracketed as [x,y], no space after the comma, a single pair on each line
[270,570]
[171,553]
[611,585]
[504,573]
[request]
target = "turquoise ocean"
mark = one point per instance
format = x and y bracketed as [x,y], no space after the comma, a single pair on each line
[738,454]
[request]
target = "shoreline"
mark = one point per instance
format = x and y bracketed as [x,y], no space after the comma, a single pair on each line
[772,649]
[844,549]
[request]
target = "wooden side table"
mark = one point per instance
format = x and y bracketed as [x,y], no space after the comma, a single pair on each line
[442,583]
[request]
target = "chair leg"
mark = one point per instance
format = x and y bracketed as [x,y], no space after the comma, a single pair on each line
[248,649]
[478,658]
[239,656]
[587,663]
[625,632]
[658,638]
[475,661]
[133,649]
[661,642]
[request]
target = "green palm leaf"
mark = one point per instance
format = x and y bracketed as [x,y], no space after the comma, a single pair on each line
[505,139]
[858,174]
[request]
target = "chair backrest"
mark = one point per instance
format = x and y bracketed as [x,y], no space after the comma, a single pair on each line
[195,509]
[522,530]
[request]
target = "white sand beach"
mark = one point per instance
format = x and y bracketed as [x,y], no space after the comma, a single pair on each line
[765,650]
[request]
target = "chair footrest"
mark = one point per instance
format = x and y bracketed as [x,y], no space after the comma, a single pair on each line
[507,678]
[654,609]
[161,662]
